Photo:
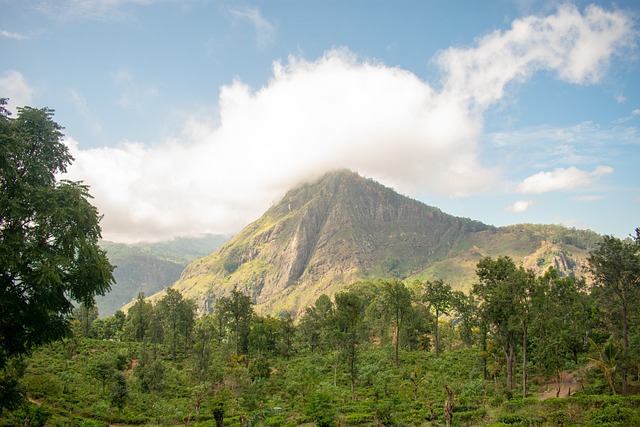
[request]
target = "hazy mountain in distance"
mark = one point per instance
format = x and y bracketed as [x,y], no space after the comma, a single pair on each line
[150,267]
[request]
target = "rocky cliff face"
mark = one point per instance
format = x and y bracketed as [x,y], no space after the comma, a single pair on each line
[340,229]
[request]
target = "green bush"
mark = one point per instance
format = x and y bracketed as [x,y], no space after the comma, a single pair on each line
[613,416]
[320,409]
[510,419]
[467,417]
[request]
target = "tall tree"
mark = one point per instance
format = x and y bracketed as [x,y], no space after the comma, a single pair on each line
[138,319]
[560,321]
[315,324]
[504,292]
[615,266]
[396,299]
[348,315]
[49,253]
[439,297]
[85,315]
[177,314]
[238,308]
[467,311]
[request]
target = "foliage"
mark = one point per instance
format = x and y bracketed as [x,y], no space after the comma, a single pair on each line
[615,265]
[49,253]
[346,372]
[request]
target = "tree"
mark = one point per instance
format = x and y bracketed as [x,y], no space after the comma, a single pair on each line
[138,319]
[119,392]
[504,291]
[314,325]
[85,315]
[349,310]
[102,368]
[466,309]
[49,253]
[438,296]
[396,300]
[559,321]
[239,309]
[178,316]
[203,347]
[615,266]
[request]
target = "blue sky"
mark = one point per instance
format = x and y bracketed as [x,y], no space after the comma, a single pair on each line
[195,116]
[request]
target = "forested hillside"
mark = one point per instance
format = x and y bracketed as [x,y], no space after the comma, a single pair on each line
[520,348]
[150,267]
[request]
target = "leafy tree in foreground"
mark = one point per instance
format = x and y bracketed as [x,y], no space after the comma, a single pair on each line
[615,265]
[49,253]
[503,293]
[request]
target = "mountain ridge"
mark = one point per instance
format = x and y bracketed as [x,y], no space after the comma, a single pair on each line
[344,228]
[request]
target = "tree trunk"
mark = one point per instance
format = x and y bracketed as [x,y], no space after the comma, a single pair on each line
[509,352]
[219,419]
[524,360]
[397,333]
[625,351]
[237,322]
[448,407]
[436,333]
[507,355]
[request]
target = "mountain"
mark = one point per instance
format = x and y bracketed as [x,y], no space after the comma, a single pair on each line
[344,228]
[150,267]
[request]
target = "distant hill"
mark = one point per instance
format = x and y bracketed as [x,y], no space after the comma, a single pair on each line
[344,228]
[150,267]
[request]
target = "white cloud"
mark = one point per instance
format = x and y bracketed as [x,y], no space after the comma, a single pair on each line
[334,112]
[520,206]
[12,35]
[265,30]
[576,46]
[14,86]
[561,179]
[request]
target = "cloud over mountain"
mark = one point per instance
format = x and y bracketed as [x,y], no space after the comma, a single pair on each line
[343,111]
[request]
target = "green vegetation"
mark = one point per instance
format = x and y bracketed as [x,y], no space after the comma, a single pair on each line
[371,356]
[49,253]
[150,267]
[382,352]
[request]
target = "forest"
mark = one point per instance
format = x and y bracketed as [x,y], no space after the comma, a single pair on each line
[518,349]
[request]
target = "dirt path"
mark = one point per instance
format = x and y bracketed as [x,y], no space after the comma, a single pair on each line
[567,385]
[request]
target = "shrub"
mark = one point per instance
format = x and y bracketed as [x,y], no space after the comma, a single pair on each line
[320,409]
[613,415]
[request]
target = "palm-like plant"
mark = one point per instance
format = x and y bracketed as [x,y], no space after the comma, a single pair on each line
[606,360]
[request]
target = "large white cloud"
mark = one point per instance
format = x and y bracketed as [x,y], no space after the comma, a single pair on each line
[333,112]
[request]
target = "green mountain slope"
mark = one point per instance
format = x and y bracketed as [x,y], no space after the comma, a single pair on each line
[150,267]
[343,228]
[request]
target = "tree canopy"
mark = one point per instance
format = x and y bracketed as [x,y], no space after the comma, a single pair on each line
[49,231]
